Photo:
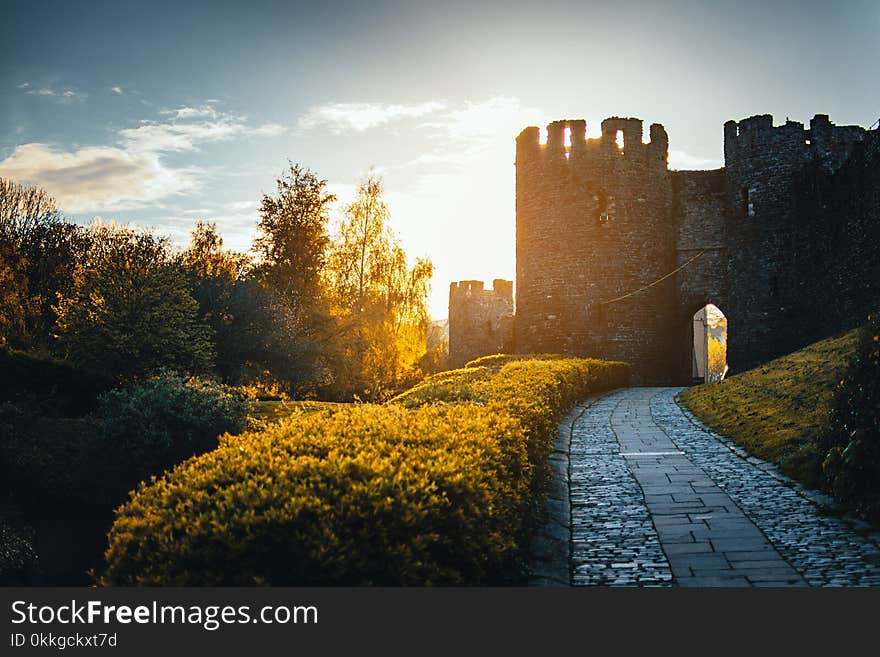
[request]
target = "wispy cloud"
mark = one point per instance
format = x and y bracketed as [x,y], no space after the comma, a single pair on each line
[200,112]
[358,117]
[64,95]
[132,173]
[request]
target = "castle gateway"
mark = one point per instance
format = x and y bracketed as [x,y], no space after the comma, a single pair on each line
[615,252]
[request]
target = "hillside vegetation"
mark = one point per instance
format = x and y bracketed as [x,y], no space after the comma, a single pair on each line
[779,411]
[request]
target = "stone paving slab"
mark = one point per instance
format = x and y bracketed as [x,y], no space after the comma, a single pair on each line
[648,496]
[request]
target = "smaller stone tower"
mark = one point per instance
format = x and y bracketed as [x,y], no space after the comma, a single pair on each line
[480,321]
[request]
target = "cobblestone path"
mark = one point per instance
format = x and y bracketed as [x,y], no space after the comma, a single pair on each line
[654,498]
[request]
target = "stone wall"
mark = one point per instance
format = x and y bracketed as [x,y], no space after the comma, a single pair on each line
[783,239]
[699,214]
[480,321]
[785,247]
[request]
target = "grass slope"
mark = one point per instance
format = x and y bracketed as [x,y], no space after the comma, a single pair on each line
[778,409]
[275,411]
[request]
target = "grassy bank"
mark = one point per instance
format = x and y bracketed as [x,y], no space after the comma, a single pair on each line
[777,411]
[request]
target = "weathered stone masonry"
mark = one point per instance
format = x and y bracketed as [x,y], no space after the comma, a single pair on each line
[784,239]
[480,321]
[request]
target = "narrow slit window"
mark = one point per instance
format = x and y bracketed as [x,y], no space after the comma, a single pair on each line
[748,205]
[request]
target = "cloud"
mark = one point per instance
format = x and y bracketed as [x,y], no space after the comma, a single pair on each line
[96,178]
[132,173]
[359,117]
[60,95]
[117,90]
[269,130]
[203,111]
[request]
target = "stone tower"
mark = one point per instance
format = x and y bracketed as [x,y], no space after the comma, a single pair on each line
[480,321]
[593,224]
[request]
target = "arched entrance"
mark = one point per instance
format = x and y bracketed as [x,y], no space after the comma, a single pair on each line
[708,346]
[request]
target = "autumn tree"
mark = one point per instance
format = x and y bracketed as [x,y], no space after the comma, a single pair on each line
[131,311]
[38,254]
[717,358]
[380,302]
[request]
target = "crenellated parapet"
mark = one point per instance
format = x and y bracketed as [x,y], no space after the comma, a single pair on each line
[567,140]
[790,143]
[480,320]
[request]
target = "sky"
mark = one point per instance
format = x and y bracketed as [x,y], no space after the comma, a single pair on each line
[164,113]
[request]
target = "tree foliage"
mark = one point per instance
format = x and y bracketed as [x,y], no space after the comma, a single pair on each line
[292,240]
[254,332]
[38,254]
[131,312]
[379,300]
[344,317]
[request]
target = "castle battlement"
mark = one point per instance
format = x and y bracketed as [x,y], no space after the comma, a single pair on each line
[757,137]
[530,150]
[480,320]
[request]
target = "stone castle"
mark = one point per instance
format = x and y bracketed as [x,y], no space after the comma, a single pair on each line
[615,252]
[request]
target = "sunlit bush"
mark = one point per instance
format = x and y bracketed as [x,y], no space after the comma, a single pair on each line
[435,488]
[499,360]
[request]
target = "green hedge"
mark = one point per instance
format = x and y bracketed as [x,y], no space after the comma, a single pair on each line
[63,388]
[135,431]
[434,488]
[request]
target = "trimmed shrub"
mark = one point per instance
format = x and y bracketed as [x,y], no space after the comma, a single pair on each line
[852,442]
[369,495]
[496,361]
[436,488]
[136,431]
[535,391]
[43,460]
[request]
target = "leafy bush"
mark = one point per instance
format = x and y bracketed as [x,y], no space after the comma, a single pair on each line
[63,388]
[852,443]
[436,488]
[535,391]
[18,560]
[370,495]
[147,426]
[136,431]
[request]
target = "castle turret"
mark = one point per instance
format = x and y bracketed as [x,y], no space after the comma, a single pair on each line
[593,224]
[480,321]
